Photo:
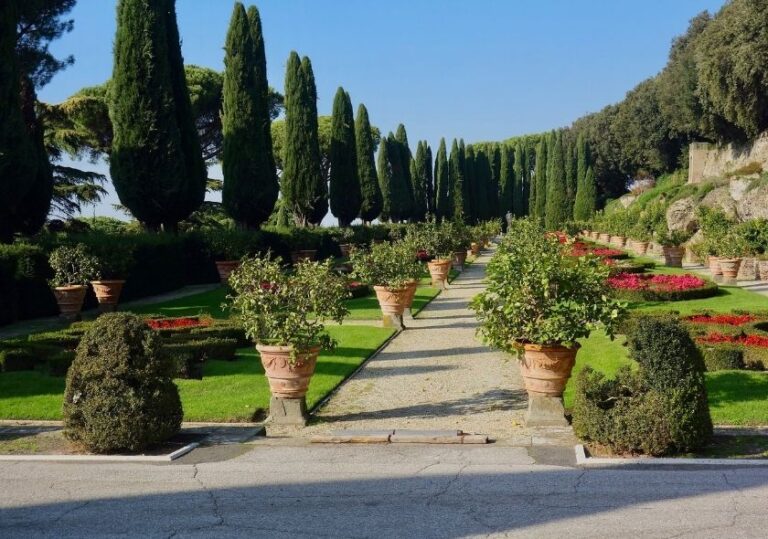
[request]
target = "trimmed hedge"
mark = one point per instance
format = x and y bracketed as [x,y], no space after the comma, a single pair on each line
[722,358]
[709,290]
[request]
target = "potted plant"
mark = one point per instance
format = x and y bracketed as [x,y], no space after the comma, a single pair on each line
[345,236]
[227,247]
[640,238]
[284,314]
[113,263]
[393,271]
[538,303]
[461,239]
[672,242]
[303,244]
[73,267]
[437,240]
[730,248]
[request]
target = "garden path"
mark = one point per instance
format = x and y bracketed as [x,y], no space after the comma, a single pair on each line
[435,375]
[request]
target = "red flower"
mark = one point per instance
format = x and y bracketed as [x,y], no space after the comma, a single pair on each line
[722,319]
[744,340]
[634,281]
[177,323]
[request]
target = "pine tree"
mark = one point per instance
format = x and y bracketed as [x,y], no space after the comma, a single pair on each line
[385,179]
[250,183]
[406,205]
[421,181]
[482,179]
[586,197]
[519,191]
[494,157]
[302,185]
[456,182]
[538,198]
[156,163]
[345,181]
[430,179]
[470,204]
[442,186]
[557,195]
[371,201]
[508,182]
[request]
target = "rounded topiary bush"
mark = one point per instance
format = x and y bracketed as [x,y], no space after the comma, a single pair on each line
[120,393]
[723,358]
[658,408]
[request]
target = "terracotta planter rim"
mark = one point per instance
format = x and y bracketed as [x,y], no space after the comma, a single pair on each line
[277,348]
[71,287]
[392,289]
[538,347]
[109,281]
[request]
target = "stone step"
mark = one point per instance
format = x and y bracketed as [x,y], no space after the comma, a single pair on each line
[399,436]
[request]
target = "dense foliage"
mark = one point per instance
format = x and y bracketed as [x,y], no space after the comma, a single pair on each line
[386,264]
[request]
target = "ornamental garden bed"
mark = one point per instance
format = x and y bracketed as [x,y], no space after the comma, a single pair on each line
[661,287]
[729,447]
[580,248]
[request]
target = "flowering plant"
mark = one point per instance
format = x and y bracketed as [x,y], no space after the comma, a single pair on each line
[721,319]
[744,340]
[177,323]
[634,281]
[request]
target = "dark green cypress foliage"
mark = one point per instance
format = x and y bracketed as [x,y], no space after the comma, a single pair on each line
[586,197]
[528,160]
[386,179]
[345,182]
[400,192]
[582,158]
[470,180]
[442,187]
[539,183]
[156,165]
[408,200]
[508,182]
[557,196]
[421,181]
[302,185]
[482,180]
[430,179]
[371,200]
[519,189]
[494,156]
[250,183]
[456,182]
[570,175]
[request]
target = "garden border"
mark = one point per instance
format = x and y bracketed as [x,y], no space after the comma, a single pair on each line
[169,457]
[583,460]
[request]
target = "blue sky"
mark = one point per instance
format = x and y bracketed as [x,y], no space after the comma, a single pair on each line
[477,69]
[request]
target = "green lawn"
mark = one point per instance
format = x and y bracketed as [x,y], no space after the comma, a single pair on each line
[229,390]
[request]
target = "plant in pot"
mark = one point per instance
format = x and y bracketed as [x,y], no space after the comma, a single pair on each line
[344,237]
[461,238]
[538,303]
[641,237]
[113,264]
[73,267]
[437,240]
[730,248]
[227,247]
[672,242]
[303,244]
[393,271]
[284,314]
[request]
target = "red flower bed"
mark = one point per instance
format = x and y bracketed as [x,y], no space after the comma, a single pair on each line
[722,319]
[582,249]
[744,340]
[634,281]
[177,323]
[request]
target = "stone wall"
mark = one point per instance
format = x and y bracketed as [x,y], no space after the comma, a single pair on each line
[707,161]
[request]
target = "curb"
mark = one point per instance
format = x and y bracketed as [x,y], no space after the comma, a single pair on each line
[583,460]
[102,458]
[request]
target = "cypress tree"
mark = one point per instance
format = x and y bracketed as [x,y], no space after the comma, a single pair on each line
[470,204]
[539,183]
[528,158]
[430,179]
[250,183]
[345,182]
[421,180]
[302,185]
[557,195]
[371,200]
[508,182]
[582,158]
[494,157]
[385,179]
[570,176]
[519,189]
[156,164]
[482,179]
[408,200]
[400,193]
[456,182]
[442,187]
[586,197]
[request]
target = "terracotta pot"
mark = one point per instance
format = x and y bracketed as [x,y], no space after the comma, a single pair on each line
[225,269]
[640,247]
[605,238]
[459,258]
[673,256]
[288,379]
[346,249]
[439,270]
[762,269]
[714,265]
[547,368]
[475,248]
[108,294]
[619,241]
[303,254]
[411,293]
[392,300]
[70,300]
[730,267]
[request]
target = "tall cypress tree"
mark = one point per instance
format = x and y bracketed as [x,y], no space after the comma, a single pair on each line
[508,182]
[494,157]
[470,204]
[456,182]
[386,179]
[156,163]
[519,181]
[442,186]
[250,183]
[570,175]
[430,179]
[371,200]
[582,158]
[302,185]
[586,197]
[539,183]
[400,189]
[408,203]
[345,181]
[557,190]
[421,180]
[528,159]
[482,179]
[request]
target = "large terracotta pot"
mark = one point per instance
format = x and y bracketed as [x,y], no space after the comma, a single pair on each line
[605,238]
[459,258]
[714,265]
[439,270]
[730,267]
[225,269]
[410,294]
[547,368]
[673,256]
[640,247]
[619,241]
[346,249]
[475,248]
[302,255]
[70,300]
[392,300]
[288,378]
[762,269]
[108,293]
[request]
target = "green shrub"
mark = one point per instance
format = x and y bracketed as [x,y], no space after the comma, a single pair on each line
[708,290]
[202,348]
[59,363]
[228,330]
[659,408]
[17,359]
[119,394]
[24,290]
[722,358]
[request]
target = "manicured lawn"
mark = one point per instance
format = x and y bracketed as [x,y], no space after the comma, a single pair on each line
[229,390]
[727,299]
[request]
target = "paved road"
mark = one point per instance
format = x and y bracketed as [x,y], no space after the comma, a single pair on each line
[286,491]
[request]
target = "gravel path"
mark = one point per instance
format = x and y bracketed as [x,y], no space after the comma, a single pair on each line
[435,375]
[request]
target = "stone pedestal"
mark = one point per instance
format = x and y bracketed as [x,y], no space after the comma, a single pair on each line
[288,411]
[545,412]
